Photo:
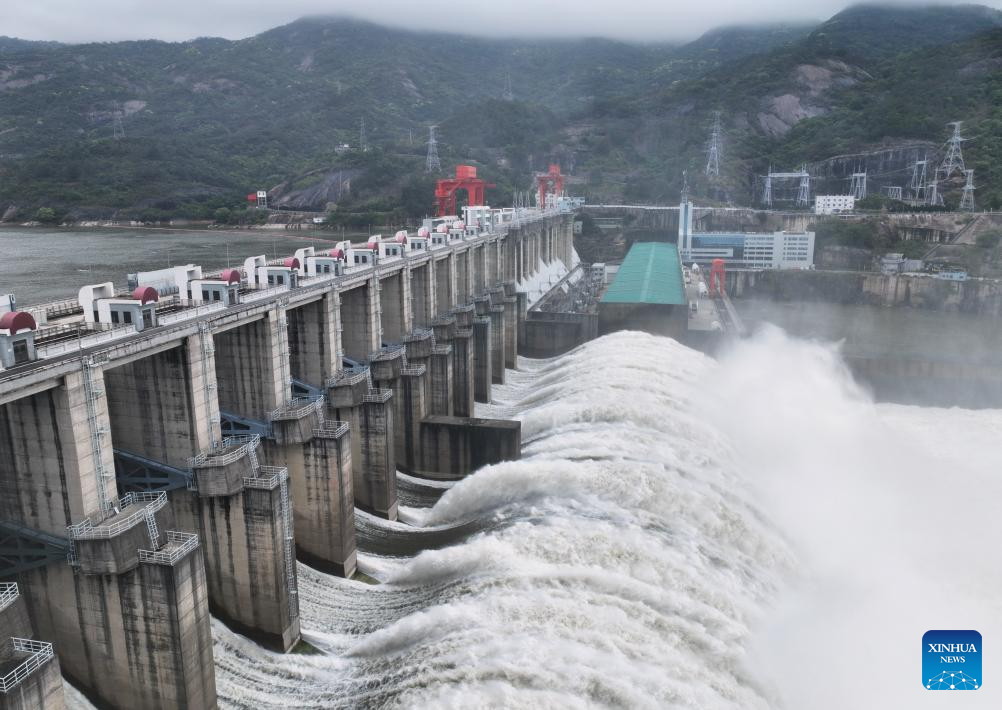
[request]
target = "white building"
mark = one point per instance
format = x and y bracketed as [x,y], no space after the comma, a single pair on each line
[834,204]
[748,250]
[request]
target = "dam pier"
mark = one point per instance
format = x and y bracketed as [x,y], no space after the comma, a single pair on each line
[167,453]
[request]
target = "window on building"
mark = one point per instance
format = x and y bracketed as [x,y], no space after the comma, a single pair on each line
[205,295]
[114,316]
[216,296]
[20,351]
[127,317]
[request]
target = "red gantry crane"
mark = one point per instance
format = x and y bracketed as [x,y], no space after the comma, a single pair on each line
[466,179]
[550,183]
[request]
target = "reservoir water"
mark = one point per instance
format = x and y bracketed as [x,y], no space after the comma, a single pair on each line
[42,265]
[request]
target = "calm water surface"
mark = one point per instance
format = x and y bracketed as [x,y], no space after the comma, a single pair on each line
[42,265]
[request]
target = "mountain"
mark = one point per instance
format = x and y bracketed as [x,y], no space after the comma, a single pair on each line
[208,120]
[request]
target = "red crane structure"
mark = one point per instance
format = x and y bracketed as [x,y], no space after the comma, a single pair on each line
[466,179]
[718,277]
[550,183]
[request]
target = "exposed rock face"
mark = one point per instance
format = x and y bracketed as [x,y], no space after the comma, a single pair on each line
[9,214]
[806,99]
[321,189]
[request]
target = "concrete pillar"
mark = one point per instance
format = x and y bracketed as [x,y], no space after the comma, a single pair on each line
[495,311]
[360,320]
[482,360]
[243,511]
[455,447]
[252,366]
[315,339]
[395,306]
[491,275]
[317,453]
[391,371]
[463,266]
[130,619]
[57,455]
[445,284]
[441,381]
[463,362]
[375,482]
[164,406]
[423,303]
[511,332]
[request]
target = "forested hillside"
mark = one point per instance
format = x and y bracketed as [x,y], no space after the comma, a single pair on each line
[206,121]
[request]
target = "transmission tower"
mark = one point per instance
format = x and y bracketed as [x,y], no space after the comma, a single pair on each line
[893,192]
[954,159]
[967,199]
[858,188]
[119,125]
[431,163]
[508,94]
[803,186]
[804,193]
[932,194]
[713,154]
[363,142]
[918,183]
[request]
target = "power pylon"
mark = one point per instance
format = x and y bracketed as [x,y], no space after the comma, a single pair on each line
[919,179]
[967,198]
[431,163]
[119,125]
[804,193]
[508,94]
[954,159]
[363,141]
[858,188]
[714,151]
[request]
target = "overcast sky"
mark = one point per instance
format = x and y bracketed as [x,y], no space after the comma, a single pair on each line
[95,20]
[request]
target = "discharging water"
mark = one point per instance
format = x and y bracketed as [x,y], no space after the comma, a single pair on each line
[681,533]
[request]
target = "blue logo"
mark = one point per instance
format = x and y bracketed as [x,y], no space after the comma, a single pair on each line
[951,660]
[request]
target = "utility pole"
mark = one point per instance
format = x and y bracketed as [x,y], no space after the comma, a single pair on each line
[431,163]
[767,192]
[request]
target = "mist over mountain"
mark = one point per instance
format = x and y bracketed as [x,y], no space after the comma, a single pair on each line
[206,121]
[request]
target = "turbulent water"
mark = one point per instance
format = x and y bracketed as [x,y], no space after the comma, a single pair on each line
[752,532]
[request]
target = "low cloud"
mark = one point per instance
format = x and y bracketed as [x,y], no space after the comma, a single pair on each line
[641,20]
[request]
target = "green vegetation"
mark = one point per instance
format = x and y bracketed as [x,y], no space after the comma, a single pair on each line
[210,120]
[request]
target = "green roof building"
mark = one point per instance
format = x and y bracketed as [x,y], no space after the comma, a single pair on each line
[647,293]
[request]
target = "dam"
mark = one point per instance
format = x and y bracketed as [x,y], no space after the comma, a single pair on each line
[169,452]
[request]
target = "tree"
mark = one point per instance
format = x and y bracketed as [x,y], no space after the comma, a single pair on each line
[223,215]
[46,215]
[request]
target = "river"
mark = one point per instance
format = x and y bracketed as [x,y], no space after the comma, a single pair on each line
[43,265]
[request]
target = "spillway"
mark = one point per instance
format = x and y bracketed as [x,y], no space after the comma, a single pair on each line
[680,532]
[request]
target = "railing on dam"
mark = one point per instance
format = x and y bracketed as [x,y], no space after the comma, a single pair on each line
[8,593]
[40,652]
[150,503]
[179,544]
